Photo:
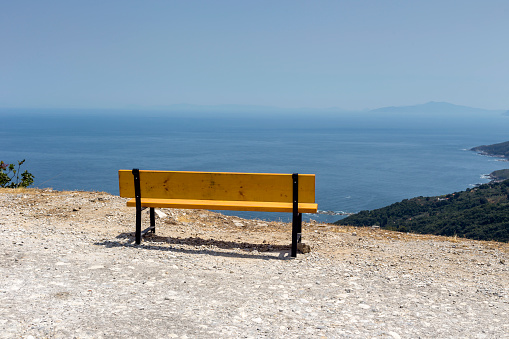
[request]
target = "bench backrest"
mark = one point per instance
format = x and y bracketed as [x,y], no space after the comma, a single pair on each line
[217,186]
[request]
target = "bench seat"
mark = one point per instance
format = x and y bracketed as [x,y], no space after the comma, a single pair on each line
[261,206]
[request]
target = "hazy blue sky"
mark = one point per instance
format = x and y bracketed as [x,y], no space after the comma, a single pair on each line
[348,54]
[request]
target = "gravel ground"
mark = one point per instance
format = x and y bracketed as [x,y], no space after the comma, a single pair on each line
[69,269]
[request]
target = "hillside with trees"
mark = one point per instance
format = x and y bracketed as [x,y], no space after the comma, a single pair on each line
[495,150]
[480,213]
[500,175]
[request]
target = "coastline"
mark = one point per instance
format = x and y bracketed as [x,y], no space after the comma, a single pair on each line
[487,154]
[499,150]
[498,175]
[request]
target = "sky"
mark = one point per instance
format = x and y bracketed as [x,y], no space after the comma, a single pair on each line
[291,54]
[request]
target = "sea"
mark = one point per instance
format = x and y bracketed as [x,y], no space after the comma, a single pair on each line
[362,160]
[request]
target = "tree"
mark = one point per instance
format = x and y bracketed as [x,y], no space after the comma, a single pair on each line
[10,177]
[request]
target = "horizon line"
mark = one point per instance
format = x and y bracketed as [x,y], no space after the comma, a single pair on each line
[243,106]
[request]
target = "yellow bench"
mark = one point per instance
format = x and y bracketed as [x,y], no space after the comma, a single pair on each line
[293,193]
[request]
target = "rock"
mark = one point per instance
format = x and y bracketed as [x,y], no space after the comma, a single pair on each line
[303,248]
[160,214]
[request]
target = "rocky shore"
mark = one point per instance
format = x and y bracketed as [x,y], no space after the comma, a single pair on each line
[499,175]
[70,269]
[500,150]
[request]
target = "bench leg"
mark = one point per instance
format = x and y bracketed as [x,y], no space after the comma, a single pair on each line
[296,232]
[138,225]
[296,216]
[137,195]
[152,220]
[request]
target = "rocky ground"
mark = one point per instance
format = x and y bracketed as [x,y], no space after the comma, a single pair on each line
[69,269]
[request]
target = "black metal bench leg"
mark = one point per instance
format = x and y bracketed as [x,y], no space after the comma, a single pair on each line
[296,216]
[152,220]
[137,195]
[138,225]
[296,233]
[299,227]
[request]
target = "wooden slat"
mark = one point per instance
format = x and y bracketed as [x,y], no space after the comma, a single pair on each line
[224,205]
[217,186]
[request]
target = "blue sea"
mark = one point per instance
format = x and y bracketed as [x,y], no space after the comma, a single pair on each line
[361,160]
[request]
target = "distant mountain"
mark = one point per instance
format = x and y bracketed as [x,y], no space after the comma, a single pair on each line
[438,108]
[479,213]
[495,150]
[427,108]
[430,109]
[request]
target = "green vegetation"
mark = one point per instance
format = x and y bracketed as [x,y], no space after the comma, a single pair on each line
[500,174]
[10,176]
[479,213]
[497,150]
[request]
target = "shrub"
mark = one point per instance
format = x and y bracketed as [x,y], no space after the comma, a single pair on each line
[10,176]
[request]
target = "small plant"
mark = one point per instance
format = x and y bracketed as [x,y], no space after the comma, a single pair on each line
[10,176]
